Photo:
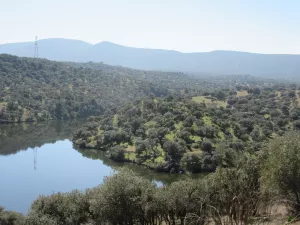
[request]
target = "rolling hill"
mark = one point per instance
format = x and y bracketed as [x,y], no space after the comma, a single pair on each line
[215,62]
[39,89]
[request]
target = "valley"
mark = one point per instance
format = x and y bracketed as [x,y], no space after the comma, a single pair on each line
[150,112]
[169,139]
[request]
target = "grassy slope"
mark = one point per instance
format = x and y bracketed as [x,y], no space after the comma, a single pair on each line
[209,101]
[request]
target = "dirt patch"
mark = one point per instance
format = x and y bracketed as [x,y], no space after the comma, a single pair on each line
[131,148]
[242,93]
[209,101]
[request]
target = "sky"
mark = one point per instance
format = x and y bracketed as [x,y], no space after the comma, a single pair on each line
[263,26]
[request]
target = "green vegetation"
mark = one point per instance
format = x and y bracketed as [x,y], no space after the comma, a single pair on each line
[125,198]
[241,128]
[10,218]
[243,190]
[170,136]
[39,90]
[151,125]
[282,170]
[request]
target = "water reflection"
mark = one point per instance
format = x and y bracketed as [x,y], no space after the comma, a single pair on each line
[158,178]
[59,169]
[39,158]
[32,136]
[17,137]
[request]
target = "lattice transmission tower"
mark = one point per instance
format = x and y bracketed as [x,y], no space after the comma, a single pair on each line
[36,48]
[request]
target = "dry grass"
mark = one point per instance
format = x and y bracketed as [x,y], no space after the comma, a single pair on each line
[209,101]
[278,94]
[242,93]
[196,150]
[131,148]
[278,216]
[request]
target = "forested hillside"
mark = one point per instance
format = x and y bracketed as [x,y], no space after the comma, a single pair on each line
[189,133]
[38,89]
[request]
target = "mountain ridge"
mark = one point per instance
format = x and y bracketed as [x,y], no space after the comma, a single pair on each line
[219,62]
[144,48]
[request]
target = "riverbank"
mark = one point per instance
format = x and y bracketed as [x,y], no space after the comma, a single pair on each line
[39,158]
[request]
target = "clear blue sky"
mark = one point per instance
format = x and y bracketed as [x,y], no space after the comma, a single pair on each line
[267,26]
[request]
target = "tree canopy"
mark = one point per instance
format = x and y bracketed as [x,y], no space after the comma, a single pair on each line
[179,133]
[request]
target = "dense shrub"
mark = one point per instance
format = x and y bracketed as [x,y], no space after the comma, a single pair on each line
[117,153]
[70,208]
[10,217]
[122,199]
[207,146]
[192,161]
[240,191]
[39,89]
[153,129]
[282,169]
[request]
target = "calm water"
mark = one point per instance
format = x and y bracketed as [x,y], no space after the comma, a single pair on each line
[40,159]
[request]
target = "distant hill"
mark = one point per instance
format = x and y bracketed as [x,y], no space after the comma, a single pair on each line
[215,62]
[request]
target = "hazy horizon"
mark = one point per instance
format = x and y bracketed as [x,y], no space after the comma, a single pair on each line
[268,26]
[225,50]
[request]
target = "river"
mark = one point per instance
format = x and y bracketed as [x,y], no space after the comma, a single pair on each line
[39,159]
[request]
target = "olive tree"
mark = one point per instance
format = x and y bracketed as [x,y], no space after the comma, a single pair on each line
[121,199]
[61,208]
[10,217]
[281,172]
[235,192]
